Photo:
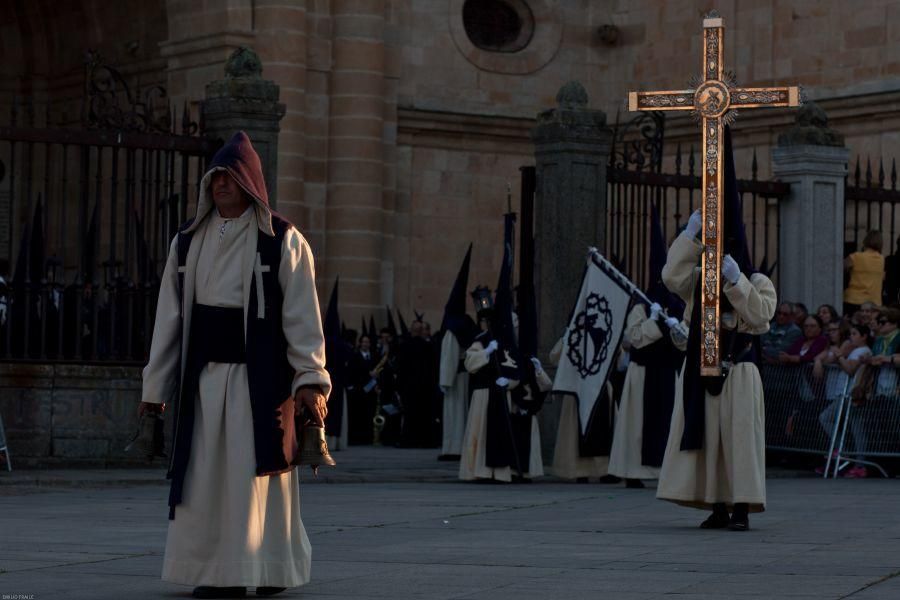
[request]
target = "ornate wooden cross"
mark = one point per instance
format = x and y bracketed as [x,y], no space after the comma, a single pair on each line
[714,100]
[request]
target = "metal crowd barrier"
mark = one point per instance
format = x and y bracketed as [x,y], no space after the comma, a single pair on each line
[817,415]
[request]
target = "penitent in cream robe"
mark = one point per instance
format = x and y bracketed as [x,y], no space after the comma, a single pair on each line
[625,456]
[455,384]
[473,462]
[567,461]
[731,466]
[232,527]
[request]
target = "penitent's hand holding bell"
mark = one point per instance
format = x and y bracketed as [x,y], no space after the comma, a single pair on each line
[313,447]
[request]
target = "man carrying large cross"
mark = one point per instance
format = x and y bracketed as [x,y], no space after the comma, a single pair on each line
[715,456]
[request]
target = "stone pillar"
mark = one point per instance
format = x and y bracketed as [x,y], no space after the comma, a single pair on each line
[243,100]
[355,205]
[812,158]
[572,146]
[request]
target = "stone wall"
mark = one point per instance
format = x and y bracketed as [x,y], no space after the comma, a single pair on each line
[390,106]
[65,415]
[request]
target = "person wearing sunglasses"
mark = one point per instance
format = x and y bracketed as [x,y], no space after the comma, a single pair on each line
[886,349]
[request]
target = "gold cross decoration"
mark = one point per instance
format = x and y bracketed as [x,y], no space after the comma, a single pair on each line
[713,100]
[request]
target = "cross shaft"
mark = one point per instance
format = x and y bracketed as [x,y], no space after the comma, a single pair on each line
[711,101]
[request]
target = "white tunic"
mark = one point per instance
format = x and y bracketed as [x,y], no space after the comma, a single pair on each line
[232,527]
[567,463]
[455,385]
[625,457]
[472,464]
[731,466]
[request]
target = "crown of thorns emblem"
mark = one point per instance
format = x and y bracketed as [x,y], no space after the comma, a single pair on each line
[589,336]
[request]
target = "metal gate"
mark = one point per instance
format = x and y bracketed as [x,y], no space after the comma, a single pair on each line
[88,213]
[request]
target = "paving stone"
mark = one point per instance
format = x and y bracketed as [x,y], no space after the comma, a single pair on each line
[410,539]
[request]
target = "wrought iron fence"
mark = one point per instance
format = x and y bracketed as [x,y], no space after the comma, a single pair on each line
[870,205]
[635,182]
[89,214]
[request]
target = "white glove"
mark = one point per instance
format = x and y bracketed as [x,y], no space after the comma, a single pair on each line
[491,347]
[502,382]
[671,322]
[694,224]
[730,270]
[537,364]
[655,309]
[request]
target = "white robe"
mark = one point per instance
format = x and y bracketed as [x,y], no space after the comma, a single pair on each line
[566,461]
[455,385]
[232,527]
[625,456]
[472,464]
[731,466]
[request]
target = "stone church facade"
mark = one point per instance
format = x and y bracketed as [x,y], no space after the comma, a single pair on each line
[406,119]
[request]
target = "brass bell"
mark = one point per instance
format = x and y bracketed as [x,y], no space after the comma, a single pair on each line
[313,448]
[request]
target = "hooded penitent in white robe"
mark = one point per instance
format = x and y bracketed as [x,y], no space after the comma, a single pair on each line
[567,461]
[455,384]
[625,455]
[233,528]
[472,464]
[731,467]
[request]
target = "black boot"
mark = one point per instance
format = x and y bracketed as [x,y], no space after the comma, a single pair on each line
[634,484]
[268,591]
[739,519]
[718,519]
[208,591]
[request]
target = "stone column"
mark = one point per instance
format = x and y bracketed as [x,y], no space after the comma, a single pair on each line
[355,205]
[812,158]
[572,146]
[243,100]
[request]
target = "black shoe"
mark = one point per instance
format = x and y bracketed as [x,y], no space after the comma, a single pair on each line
[610,479]
[718,519]
[739,520]
[739,523]
[208,591]
[268,591]
[634,484]
[449,458]
[520,479]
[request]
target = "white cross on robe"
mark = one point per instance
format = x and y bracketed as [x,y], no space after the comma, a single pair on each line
[258,270]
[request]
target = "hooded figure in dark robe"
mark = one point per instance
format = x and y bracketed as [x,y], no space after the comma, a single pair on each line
[238,352]
[502,439]
[417,385]
[338,354]
[458,330]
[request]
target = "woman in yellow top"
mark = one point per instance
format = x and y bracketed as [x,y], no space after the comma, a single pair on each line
[866,274]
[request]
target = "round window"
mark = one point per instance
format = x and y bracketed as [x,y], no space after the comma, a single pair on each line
[498,25]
